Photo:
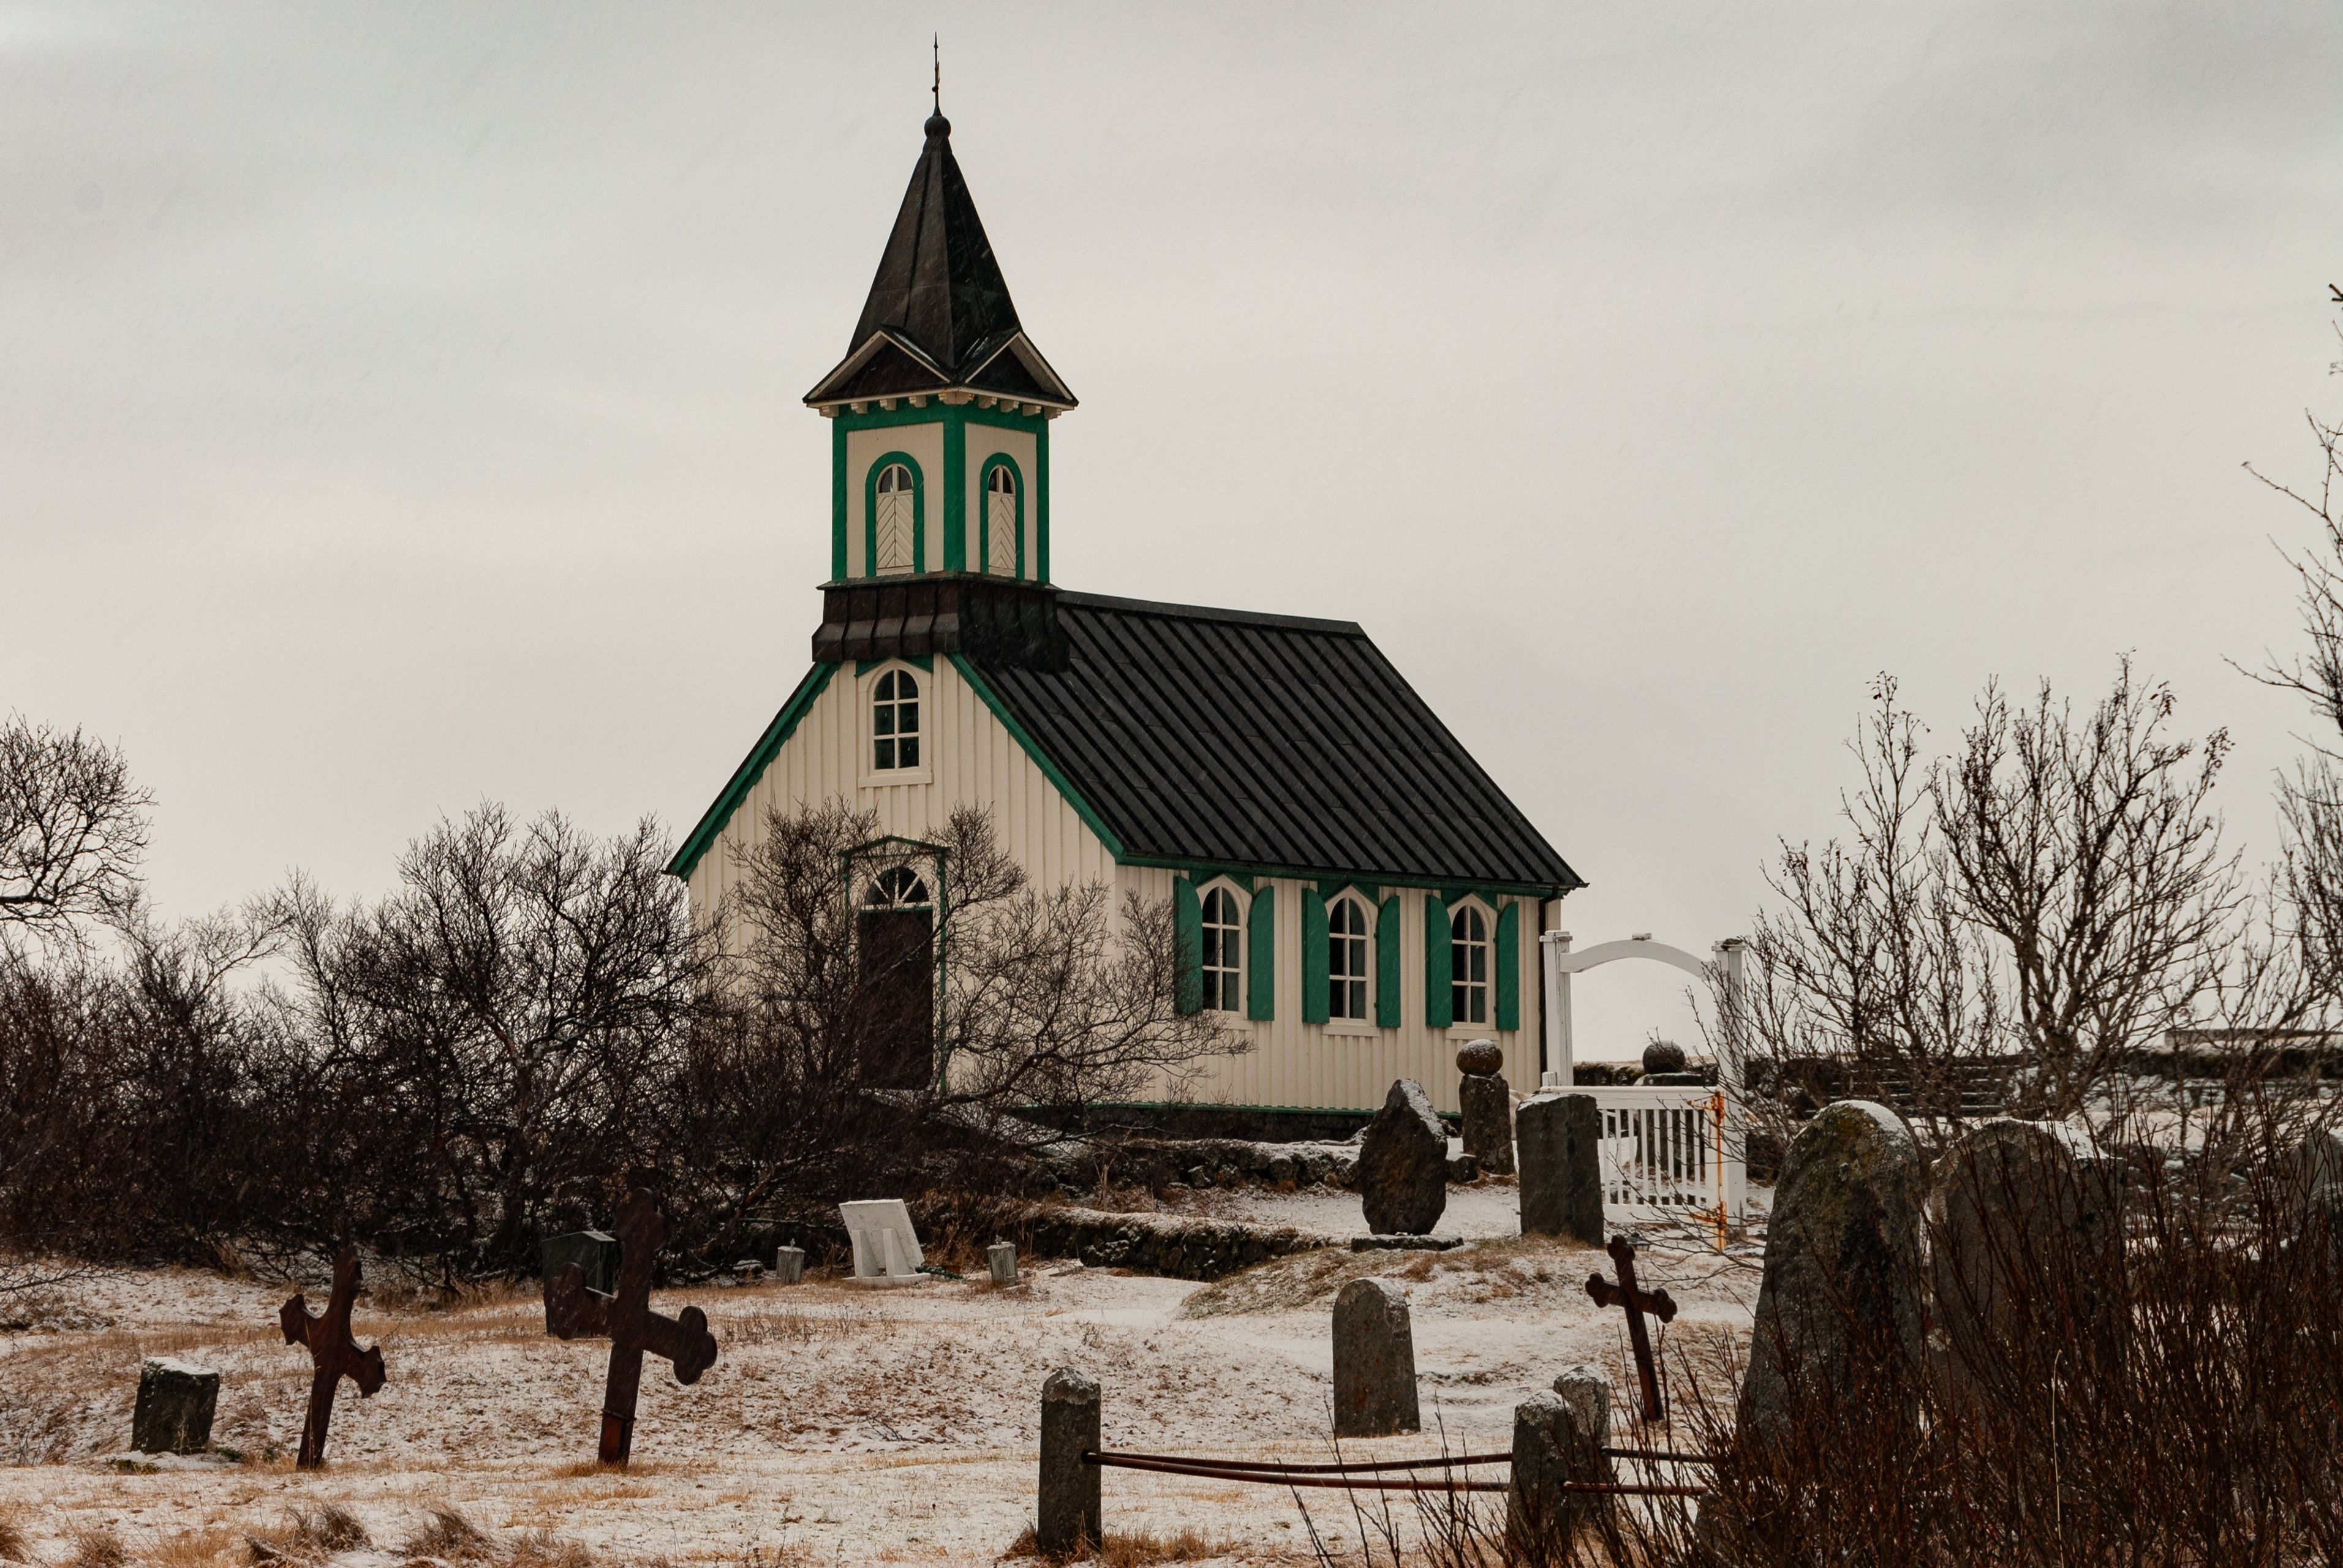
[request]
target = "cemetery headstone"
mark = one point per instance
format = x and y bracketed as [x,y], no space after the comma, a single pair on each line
[1402,1168]
[1001,1258]
[1070,1514]
[2027,1236]
[1561,1143]
[626,1317]
[1636,1301]
[333,1354]
[595,1254]
[788,1265]
[1839,1291]
[886,1247]
[1487,1102]
[1375,1362]
[1587,1393]
[176,1400]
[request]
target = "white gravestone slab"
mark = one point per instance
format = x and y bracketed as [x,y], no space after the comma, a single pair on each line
[886,1248]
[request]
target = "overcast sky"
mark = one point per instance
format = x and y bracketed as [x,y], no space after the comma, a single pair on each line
[400,402]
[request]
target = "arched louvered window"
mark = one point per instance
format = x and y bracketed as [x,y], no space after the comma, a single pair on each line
[894,518]
[1468,957]
[1222,932]
[895,722]
[1000,521]
[1346,960]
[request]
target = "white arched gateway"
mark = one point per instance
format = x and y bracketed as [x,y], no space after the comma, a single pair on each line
[1670,1152]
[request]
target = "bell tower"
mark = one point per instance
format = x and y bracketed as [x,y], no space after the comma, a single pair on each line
[939,413]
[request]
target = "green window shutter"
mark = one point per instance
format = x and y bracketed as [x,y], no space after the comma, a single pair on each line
[1387,1006]
[1439,968]
[1188,930]
[1260,954]
[1314,998]
[1509,966]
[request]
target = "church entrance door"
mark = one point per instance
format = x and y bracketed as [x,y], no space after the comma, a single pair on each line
[896,998]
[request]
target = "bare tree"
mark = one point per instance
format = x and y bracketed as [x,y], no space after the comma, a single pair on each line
[73,829]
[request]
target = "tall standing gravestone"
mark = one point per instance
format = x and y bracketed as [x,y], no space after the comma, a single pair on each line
[1839,1303]
[1402,1172]
[1561,1139]
[1486,1100]
[886,1248]
[2024,1262]
[1375,1362]
[595,1254]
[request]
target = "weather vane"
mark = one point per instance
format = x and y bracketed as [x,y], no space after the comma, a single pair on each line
[936,43]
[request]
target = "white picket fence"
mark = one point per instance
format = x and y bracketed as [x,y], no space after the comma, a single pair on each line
[1668,1153]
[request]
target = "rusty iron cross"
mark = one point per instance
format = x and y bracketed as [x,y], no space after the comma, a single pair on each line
[333,1354]
[573,1309]
[1637,1302]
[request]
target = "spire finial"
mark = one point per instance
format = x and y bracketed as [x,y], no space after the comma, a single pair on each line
[937,125]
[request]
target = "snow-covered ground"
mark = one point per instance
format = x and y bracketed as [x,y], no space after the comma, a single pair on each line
[837,1425]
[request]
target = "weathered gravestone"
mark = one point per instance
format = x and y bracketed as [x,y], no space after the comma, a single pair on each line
[1839,1301]
[1070,1514]
[886,1247]
[2026,1261]
[1558,1443]
[176,1400]
[789,1264]
[1375,1362]
[1402,1169]
[595,1254]
[1561,1141]
[333,1355]
[1001,1262]
[1487,1102]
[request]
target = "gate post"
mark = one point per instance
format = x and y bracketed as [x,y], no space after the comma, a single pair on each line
[1556,1068]
[1067,1517]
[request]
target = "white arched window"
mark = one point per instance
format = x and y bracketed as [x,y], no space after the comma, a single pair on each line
[895,722]
[896,888]
[1000,521]
[1346,960]
[894,518]
[1221,964]
[1468,959]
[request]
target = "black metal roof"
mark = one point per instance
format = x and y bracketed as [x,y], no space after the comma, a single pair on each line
[939,314]
[1265,742]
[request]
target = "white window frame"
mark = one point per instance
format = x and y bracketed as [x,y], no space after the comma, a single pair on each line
[871,775]
[992,534]
[1240,909]
[1488,1023]
[1344,1024]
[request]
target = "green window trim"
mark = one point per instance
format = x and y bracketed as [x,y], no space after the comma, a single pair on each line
[1314,997]
[1261,955]
[837,501]
[1387,997]
[984,516]
[878,465]
[1509,967]
[1188,934]
[752,768]
[1042,503]
[1439,1000]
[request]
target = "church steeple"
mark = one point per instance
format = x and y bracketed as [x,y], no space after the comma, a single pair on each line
[939,317]
[941,411]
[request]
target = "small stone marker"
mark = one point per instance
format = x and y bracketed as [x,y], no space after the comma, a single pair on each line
[1402,1168]
[1587,1393]
[626,1317]
[176,1400]
[2025,1207]
[1375,1362]
[1487,1102]
[1002,1259]
[1070,1513]
[595,1254]
[1561,1138]
[886,1248]
[1842,1261]
[788,1265]
[1551,1452]
[333,1354]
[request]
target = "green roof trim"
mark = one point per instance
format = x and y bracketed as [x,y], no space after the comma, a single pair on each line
[752,768]
[1050,770]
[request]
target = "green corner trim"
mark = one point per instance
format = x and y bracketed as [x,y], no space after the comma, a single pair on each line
[837,501]
[752,768]
[955,491]
[1057,780]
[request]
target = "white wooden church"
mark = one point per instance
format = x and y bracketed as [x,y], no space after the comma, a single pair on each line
[1363,896]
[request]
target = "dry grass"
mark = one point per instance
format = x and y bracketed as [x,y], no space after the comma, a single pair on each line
[1506,1267]
[804,1325]
[446,1533]
[309,1534]
[1137,1548]
[97,1546]
[12,1534]
[205,1548]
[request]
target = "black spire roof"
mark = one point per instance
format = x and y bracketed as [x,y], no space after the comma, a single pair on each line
[940,316]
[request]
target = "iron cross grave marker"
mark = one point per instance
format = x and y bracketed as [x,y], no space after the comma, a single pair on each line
[333,1354]
[1637,1302]
[572,1310]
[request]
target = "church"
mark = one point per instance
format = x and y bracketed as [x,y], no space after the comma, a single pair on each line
[1358,895]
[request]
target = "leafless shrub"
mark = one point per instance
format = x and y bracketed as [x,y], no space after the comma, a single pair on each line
[447,1534]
